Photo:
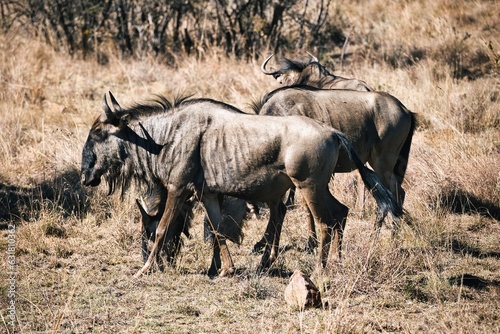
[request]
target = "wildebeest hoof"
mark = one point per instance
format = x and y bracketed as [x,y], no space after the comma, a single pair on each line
[258,248]
[212,272]
[137,275]
[227,272]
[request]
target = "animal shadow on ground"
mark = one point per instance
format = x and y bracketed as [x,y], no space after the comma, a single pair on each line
[462,247]
[246,273]
[472,281]
[462,202]
[63,193]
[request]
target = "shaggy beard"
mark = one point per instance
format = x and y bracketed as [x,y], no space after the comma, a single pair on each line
[122,177]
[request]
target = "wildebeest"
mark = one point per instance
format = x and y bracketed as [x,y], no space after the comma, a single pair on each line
[312,73]
[378,125]
[152,205]
[201,147]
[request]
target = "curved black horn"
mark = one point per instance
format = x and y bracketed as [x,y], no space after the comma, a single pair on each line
[142,206]
[313,58]
[108,113]
[263,66]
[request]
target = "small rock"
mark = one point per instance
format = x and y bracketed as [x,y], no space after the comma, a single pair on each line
[301,292]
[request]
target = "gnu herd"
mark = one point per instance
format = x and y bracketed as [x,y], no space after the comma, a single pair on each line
[200,150]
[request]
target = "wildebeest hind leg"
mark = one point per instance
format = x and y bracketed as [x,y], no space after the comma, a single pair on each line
[312,239]
[273,232]
[338,212]
[316,201]
[261,244]
[212,205]
[291,196]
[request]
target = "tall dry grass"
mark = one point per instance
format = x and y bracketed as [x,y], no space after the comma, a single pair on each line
[77,249]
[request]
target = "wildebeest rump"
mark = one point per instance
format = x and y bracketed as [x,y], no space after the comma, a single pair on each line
[201,147]
[311,73]
[378,125]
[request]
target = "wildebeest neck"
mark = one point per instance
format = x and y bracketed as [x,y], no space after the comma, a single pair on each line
[146,142]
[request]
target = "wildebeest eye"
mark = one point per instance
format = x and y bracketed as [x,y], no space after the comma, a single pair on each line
[276,75]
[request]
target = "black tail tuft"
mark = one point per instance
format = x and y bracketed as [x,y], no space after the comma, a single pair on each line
[402,163]
[384,198]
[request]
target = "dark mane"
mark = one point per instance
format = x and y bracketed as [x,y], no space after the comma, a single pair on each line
[218,103]
[293,65]
[300,66]
[161,104]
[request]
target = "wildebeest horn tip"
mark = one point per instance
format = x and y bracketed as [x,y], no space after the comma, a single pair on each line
[263,66]
[313,58]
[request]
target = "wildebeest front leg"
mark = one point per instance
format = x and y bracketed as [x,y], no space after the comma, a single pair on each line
[147,231]
[173,207]
[212,205]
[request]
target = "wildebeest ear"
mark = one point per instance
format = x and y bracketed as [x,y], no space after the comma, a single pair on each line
[313,58]
[116,106]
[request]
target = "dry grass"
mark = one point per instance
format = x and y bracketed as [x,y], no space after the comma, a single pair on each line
[77,249]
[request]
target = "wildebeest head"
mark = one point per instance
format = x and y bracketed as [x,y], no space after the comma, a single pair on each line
[293,72]
[312,73]
[104,153]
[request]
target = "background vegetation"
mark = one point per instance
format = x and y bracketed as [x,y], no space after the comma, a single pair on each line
[165,28]
[77,249]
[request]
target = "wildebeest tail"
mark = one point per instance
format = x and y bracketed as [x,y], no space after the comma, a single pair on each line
[404,154]
[384,198]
